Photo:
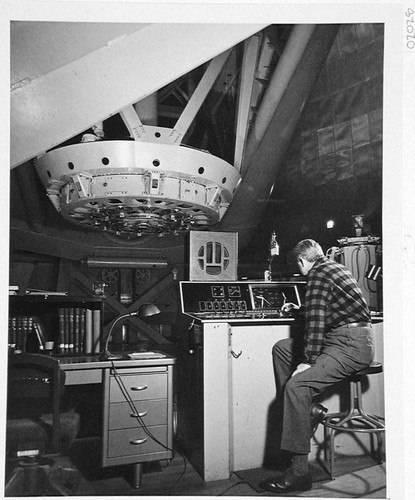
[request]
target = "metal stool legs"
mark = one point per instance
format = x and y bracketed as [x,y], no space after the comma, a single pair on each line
[355,420]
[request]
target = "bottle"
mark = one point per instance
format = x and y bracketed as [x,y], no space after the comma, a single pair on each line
[274,248]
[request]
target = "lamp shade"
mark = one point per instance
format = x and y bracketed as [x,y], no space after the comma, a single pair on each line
[147,310]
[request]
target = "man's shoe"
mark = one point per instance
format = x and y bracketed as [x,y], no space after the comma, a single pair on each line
[287,482]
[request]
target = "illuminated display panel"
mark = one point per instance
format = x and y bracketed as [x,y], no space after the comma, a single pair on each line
[264,297]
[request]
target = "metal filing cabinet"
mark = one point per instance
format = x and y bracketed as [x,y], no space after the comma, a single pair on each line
[148,392]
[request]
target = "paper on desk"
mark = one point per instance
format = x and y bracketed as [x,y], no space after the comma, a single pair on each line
[146,355]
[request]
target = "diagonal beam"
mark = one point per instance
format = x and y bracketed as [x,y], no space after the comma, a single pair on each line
[247,207]
[119,309]
[199,95]
[133,122]
[53,107]
[251,50]
[280,81]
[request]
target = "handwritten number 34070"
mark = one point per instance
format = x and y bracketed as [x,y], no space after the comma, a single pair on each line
[410,30]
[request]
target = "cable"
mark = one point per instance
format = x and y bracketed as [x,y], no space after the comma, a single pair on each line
[233,486]
[180,476]
[355,272]
[366,266]
[243,481]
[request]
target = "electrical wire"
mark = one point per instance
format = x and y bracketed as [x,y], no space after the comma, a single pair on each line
[233,486]
[366,266]
[355,272]
[180,476]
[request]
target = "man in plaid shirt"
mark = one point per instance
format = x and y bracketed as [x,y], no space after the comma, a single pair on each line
[338,341]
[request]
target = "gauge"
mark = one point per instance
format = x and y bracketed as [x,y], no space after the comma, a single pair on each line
[234,291]
[267,298]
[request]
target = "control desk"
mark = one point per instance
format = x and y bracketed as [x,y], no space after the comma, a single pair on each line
[225,372]
[227,406]
[240,300]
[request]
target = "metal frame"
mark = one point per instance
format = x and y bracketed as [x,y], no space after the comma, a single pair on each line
[355,420]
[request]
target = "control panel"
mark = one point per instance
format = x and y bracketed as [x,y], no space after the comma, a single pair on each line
[240,300]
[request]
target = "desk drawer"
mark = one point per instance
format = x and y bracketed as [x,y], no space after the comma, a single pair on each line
[139,387]
[153,412]
[129,442]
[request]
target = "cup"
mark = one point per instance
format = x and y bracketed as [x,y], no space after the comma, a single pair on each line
[49,345]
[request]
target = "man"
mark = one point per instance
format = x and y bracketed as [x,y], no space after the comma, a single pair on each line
[338,341]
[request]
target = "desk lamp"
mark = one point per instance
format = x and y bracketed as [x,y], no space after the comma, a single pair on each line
[145,311]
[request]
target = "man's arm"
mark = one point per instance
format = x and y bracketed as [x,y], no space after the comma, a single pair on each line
[315,310]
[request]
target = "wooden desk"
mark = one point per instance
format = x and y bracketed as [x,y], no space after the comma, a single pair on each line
[136,393]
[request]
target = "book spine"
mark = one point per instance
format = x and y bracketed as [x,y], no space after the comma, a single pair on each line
[96,329]
[12,332]
[88,331]
[77,313]
[61,339]
[66,331]
[71,329]
[39,334]
[82,330]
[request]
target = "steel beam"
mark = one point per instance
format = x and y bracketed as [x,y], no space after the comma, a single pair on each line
[53,107]
[199,95]
[251,50]
[247,207]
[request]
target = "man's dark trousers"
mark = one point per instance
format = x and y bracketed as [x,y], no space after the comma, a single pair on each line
[346,350]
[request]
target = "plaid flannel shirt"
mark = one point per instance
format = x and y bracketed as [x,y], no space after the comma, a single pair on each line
[333,298]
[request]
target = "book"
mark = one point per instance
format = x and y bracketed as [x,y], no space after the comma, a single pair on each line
[12,332]
[39,332]
[88,331]
[82,330]
[76,318]
[66,331]
[96,330]
[61,333]
[71,330]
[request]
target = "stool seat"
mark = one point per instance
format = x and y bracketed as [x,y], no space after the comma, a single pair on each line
[355,419]
[375,367]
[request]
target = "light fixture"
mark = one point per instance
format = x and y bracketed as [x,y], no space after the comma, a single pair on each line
[330,224]
[145,311]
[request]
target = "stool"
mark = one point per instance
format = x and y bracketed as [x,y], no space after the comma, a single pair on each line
[355,419]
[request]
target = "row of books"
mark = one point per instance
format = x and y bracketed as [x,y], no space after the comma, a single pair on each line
[19,329]
[78,332]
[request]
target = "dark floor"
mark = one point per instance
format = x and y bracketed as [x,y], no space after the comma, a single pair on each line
[357,477]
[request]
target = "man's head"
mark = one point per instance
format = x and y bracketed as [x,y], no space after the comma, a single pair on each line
[306,252]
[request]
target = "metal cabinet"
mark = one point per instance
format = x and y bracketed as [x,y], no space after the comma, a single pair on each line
[138,416]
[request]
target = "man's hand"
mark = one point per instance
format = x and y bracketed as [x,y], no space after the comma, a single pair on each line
[289,306]
[302,367]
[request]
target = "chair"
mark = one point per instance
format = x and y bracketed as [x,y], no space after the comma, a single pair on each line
[37,429]
[355,419]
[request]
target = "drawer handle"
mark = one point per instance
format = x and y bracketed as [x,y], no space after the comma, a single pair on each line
[138,441]
[139,414]
[139,387]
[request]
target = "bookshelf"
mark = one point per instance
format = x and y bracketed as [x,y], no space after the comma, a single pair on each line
[73,324]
